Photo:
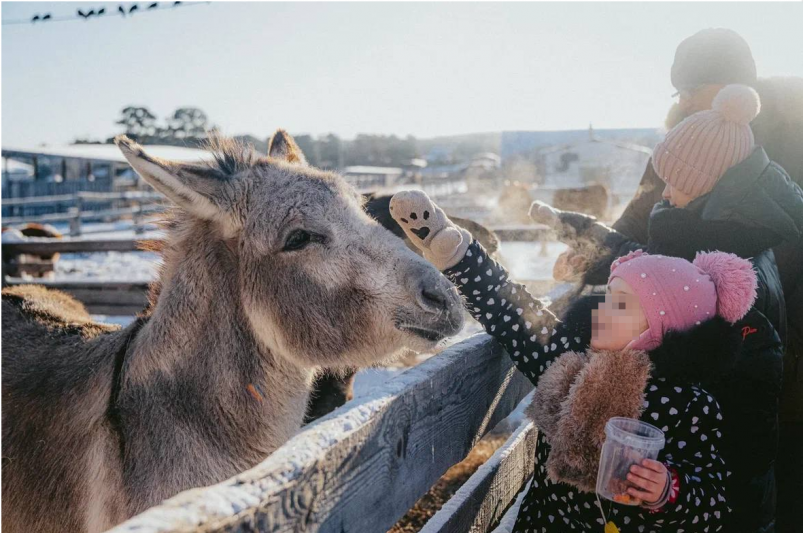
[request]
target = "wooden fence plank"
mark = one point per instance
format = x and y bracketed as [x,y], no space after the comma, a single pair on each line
[99,297]
[37,200]
[482,501]
[67,245]
[71,215]
[78,285]
[123,195]
[362,467]
[134,297]
[521,232]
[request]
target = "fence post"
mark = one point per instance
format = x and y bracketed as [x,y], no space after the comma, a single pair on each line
[75,222]
[139,227]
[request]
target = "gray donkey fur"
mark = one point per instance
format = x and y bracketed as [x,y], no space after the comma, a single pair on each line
[271,270]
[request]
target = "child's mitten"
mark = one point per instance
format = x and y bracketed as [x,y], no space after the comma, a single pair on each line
[572,228]
[443,243]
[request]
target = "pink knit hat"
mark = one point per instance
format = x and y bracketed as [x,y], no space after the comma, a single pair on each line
[677,295]
[697,152]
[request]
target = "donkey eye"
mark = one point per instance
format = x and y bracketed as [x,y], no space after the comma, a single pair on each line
[297,240]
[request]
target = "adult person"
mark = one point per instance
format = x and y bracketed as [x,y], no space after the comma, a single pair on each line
[704,64]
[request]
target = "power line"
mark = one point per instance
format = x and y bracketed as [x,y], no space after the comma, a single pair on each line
[103,12]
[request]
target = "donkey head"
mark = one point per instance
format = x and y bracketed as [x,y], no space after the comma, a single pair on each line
[320,282]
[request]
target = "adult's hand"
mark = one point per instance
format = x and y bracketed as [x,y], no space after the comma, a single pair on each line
[570,266]
[571,228]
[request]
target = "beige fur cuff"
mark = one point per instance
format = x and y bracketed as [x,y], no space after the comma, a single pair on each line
[576,397]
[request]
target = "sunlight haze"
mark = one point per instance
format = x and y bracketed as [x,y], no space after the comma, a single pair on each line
[391,68]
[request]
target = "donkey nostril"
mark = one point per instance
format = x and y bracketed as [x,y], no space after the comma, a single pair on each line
[433,297]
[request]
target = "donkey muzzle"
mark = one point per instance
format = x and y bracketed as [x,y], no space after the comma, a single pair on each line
[439,312]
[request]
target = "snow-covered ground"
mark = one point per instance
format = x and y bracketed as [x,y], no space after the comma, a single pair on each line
[107,266]
[530,260]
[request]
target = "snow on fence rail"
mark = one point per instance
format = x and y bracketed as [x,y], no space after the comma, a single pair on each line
[362,467]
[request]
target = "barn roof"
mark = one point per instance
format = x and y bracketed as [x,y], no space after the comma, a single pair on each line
[360,169]
[107,152]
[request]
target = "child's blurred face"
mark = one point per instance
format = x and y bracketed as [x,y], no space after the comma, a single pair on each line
[619,319]
[676,197]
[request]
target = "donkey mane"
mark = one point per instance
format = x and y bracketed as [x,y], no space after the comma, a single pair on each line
[231,156]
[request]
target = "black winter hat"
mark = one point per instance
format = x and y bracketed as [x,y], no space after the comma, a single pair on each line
[713,56]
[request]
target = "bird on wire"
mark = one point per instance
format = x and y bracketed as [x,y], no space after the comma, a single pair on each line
[153,5]
[121,9]
[86,15]
[133,8]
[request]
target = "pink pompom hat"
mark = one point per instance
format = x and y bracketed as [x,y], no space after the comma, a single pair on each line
[677,295]
[696,153]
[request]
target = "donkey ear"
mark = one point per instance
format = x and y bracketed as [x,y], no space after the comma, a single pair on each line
[194,187]
[283,146]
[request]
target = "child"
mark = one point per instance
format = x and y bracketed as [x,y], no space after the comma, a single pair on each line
[657,308]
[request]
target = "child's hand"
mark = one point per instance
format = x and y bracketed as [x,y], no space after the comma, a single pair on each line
[651,478]
[443,243]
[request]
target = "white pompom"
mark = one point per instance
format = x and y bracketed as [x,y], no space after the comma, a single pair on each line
[737,103]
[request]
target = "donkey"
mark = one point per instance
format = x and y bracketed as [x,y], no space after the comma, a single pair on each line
[271,270]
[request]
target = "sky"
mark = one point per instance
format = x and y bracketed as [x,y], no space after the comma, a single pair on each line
[425,69]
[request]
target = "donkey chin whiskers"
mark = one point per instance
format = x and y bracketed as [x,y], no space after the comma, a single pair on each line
[424,333]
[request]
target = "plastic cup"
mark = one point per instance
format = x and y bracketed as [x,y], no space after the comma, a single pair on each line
[627,442]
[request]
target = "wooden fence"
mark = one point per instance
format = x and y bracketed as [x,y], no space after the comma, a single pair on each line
[362,467]
[87,205]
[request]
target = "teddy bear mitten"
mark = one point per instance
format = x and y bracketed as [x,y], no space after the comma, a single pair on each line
[442,242]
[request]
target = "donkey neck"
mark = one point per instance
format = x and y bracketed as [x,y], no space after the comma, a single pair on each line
[198,342]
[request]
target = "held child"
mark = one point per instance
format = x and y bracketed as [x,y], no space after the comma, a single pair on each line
[658,309]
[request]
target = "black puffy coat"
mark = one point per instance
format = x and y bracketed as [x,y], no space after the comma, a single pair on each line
[745,378]
[754,207]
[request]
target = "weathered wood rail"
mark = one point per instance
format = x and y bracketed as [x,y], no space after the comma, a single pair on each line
[480,503]
[114,298]
[363,466]
[88,205]
[119,298]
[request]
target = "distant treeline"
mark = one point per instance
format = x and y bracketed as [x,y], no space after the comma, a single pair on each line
[188,126]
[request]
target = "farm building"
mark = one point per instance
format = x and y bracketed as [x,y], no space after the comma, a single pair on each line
[56,170]
[577,159]
[369,177]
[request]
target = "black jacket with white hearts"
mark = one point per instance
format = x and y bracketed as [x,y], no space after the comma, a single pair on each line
[673,401]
